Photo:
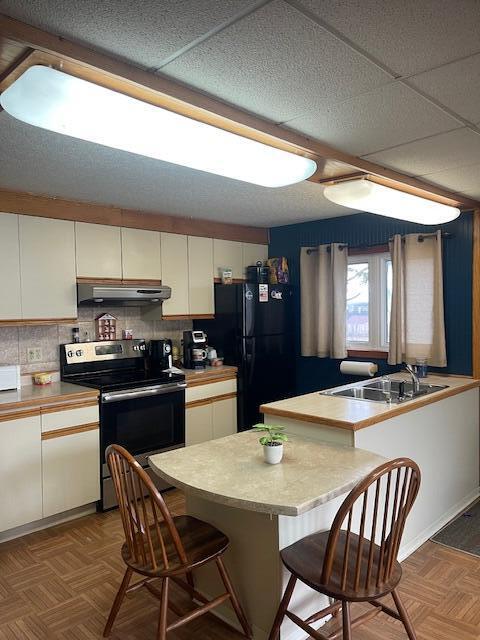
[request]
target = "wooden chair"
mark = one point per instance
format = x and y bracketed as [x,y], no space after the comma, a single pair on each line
[350,567]
[163,548]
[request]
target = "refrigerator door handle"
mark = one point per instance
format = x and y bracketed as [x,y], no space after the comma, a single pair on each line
[251,359]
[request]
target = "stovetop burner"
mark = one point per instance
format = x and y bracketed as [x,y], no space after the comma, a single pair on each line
[115,380]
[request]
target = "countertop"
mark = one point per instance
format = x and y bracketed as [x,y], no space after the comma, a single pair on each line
[33,396]
[209,374]
[347,413]
[231,471]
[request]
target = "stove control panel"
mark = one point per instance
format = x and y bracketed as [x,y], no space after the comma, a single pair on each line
[78,353]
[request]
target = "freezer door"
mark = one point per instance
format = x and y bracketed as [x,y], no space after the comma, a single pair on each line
[267,375]
[267,309]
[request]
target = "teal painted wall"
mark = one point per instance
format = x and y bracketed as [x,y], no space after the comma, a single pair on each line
[364,229]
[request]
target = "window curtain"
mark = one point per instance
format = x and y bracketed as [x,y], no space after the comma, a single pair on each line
[323,283]
[417,326]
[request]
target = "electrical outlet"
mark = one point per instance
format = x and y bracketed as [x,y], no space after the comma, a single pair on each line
[34,354]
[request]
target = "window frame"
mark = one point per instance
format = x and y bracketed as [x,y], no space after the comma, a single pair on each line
[377,301]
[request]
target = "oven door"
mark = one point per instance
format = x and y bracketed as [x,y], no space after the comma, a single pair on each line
[144,421]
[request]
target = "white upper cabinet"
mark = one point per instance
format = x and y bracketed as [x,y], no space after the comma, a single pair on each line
[10,298]
[252,253]
[227,253]
[47,268]
[200,267]
[141,254]
[99,250]
[174,260]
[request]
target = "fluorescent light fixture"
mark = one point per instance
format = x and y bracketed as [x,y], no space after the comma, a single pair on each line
[369,196]
[56,101]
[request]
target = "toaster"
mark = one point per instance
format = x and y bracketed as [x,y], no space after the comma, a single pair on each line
[9,376]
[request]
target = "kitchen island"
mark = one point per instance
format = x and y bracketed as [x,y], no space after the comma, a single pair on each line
[439,431]
[263,508]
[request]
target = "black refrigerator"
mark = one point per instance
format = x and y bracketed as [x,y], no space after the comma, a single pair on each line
[253,330]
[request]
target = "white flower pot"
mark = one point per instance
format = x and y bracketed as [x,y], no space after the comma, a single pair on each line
[273,453]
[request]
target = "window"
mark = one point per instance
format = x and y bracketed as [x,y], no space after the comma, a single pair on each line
[369,296]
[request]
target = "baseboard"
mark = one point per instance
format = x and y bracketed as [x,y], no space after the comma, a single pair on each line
[426,534]
[45,523]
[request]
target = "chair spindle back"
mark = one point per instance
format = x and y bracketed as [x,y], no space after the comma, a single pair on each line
[142,510]
[385,497]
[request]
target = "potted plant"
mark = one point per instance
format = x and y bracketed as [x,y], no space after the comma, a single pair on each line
[272,442]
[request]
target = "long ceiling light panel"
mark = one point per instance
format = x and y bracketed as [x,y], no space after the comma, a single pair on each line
[365,195]
[56,101]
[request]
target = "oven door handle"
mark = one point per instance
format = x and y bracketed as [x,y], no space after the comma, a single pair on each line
[117,396]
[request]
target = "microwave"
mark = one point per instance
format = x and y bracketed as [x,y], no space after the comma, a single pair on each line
[9,376]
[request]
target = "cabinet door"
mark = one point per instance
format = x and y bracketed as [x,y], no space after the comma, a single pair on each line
[141,254]
[198,424]
[174,257]
[71,471]
[227,253]
[47,267]
[252,253]
[224,417]
[20,472]
[200,267]
[10,299]
[99,252]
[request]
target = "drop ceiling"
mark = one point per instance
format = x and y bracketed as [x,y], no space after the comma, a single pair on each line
[397,83]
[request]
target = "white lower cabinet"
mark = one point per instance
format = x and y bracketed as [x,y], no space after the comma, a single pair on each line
[70,459]
[70,471]
[211,414]
[224,417]
[198,424]
[20,472]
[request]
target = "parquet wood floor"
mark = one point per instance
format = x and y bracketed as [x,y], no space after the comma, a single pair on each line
[60,583]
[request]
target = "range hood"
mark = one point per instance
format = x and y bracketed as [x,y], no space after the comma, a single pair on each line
[121,295]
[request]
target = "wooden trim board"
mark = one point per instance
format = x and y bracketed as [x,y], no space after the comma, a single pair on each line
[67,406]
[211,400]
[210,378]
[120,76]
[476,295]
[69,431]
[36,321]
[59,208]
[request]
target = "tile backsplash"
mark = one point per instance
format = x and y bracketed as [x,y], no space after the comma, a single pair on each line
[15,341]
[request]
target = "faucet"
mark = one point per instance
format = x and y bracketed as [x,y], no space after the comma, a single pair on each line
[415,380]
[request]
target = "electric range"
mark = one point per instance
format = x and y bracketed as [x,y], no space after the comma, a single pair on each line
[140,409]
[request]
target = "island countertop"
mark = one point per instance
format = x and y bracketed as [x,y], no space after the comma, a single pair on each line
[352,414]
[231,471]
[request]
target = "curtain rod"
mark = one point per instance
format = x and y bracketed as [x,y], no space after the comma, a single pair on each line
[421,238]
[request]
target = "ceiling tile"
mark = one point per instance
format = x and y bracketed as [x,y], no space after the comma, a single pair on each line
[39,161]
[464,179]
[143,32]
[276,63]
[408,36]
[456,85]
[385,117]
[444,151]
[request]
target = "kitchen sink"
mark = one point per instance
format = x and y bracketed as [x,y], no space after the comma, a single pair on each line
[385,390]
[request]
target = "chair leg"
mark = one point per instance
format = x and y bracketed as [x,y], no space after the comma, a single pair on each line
[277,623]
[117,603]
[242,618]
[346,622]
[407,623]
[189,576]
[162,616]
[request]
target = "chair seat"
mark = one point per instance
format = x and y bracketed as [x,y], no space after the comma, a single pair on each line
[201,541]
[304,559]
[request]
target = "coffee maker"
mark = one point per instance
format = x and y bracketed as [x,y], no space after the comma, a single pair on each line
[194,349]
[160,354]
